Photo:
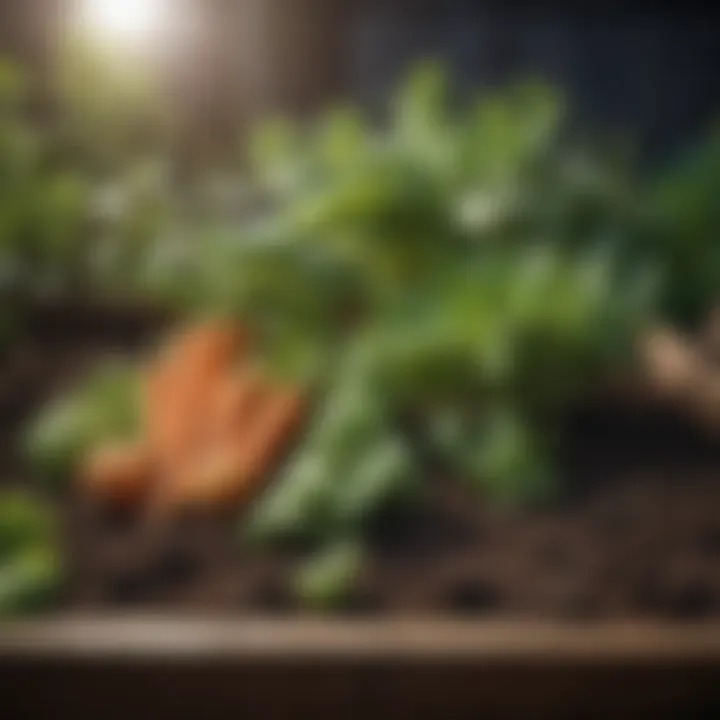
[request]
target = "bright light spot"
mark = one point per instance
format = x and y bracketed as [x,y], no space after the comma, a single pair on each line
[127,22]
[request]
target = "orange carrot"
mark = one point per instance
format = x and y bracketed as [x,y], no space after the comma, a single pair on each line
[231,471]
[271,432]
[208,356]
[121,473]
[233,404]
[161,416]
[214,481]
[215,429]
[181,387]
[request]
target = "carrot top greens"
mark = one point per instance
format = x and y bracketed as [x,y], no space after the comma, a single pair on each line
[494,269]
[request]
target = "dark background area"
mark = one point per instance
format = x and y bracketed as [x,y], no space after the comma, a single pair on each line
[651,70]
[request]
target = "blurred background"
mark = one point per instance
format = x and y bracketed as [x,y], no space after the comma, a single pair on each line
[471,246]
[640,69]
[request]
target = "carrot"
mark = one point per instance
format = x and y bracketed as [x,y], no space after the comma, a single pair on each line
[161,417]
[212,346]
[119,473]
[271,432]
[236,398]
[209,356]
[214,481]
[231,471]
[215,428]
[181,386]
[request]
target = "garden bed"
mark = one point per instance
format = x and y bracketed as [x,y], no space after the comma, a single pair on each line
[637,536]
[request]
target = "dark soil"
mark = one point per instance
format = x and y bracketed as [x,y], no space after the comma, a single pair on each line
[637,535]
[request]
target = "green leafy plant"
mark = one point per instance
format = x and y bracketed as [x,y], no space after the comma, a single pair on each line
[105,405]
[70,221]
[496,269]
[324,581]
[685,219]
[470,264]
[30,564]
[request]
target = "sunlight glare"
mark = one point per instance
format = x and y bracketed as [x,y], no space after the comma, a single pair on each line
[127,22]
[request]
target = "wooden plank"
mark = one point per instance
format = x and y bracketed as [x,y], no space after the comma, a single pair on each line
[181,667]
[179,637]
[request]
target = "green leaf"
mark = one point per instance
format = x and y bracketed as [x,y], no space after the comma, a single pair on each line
[327,579]
[24,522]
[30,566]
[381,473]
[508,462]
[275,155]
[105,405]
[422,101]
[29,582]
[499,453]
[343,141]
[296,505]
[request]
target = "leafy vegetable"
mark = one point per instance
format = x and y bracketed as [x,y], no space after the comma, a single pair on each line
[471,264]
[495,267]
[105,406]
[685,219]
[23,522]
[326,579]
[503,456]
[29,581]
[30,567]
